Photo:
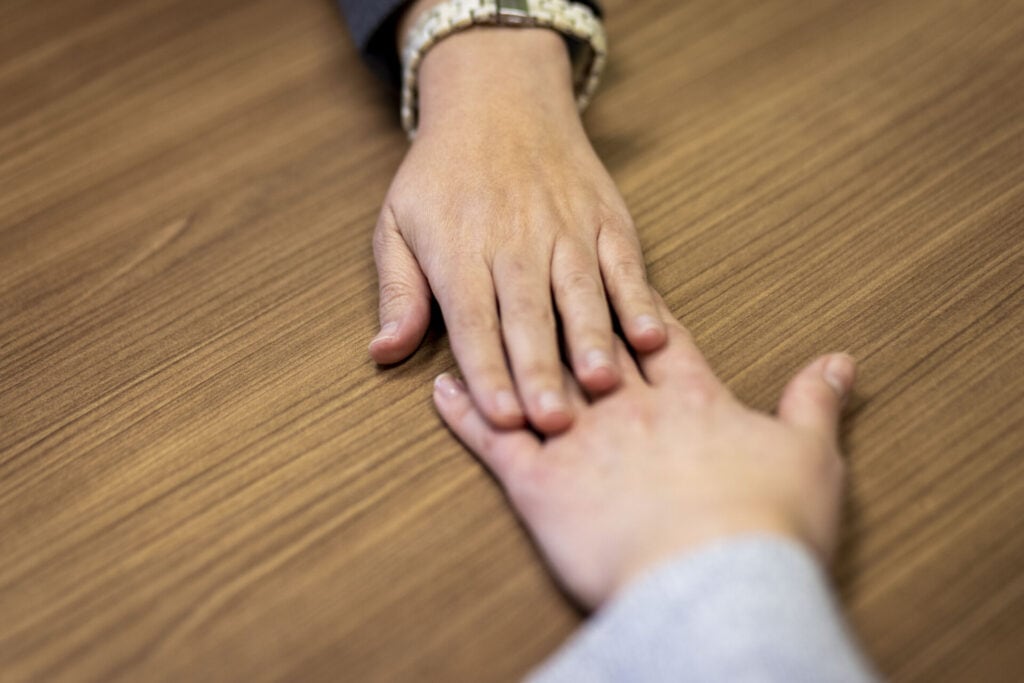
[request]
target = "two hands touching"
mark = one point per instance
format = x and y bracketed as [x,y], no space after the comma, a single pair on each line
[667,463]
[504,213]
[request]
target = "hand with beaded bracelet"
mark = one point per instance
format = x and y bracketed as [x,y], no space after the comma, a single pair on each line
[503,211]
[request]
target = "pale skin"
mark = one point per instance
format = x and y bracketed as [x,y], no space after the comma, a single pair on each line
[665,465]
[503,212]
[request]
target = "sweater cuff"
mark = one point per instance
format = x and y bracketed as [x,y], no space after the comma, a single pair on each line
[755,608]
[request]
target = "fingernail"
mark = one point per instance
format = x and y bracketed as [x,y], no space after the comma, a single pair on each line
[447,386]
[551,402]
[386,332]
[648,323]
[507,403]
[839,372]
[597,359]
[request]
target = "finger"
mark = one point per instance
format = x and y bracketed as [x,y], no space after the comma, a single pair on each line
[577,399]
[586,320]
[625,279]
[679,360]
[471,317]
[501,451]
[628,370]
[531,341]
[404,295]
[813,399]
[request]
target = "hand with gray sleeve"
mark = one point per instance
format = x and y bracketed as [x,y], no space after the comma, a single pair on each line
[697,530]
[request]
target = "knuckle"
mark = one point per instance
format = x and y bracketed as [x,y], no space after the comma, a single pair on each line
[394,292]
[525,308]
[698,392]
[473,322]
[630,272]
[380,239]
[515,267]
[385,230]
[488,373]
[382,244]
[617,222]
[580,283]
[483,367]
[588,339]
[537,372]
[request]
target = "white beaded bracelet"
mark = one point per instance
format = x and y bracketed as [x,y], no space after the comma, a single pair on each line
[575,21]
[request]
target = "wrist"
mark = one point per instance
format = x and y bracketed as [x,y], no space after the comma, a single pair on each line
[488,72]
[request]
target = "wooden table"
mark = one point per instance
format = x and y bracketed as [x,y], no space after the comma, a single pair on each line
[203,477]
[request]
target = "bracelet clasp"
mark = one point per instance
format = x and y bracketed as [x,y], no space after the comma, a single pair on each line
[514,12]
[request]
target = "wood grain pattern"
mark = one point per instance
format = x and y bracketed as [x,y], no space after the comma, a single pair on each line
[202,477]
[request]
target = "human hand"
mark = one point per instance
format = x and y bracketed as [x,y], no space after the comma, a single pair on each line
[669,462]
[501,202]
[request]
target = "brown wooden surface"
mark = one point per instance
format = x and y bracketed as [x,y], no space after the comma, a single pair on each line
[203,477]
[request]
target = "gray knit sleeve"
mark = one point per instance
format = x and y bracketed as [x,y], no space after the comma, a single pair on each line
[746,610]
[373,23]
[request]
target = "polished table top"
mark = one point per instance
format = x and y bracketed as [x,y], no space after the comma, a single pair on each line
[203,477]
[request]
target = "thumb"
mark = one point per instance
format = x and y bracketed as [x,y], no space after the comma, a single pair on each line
[404,295]
[814,398]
